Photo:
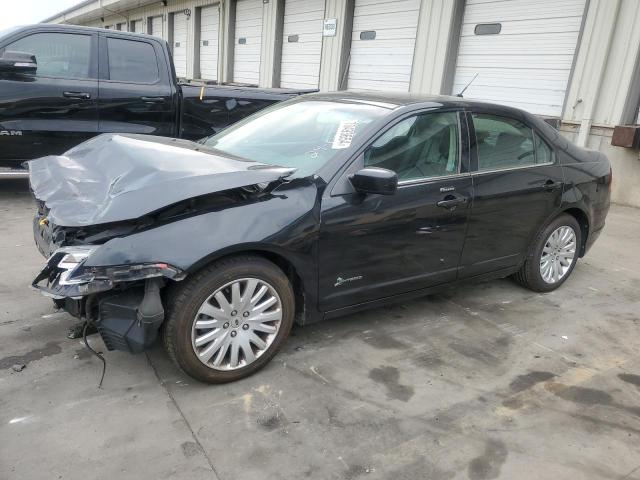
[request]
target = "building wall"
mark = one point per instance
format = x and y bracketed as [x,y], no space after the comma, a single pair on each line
[603,90]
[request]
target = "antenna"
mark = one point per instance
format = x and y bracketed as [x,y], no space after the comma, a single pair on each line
[467,86]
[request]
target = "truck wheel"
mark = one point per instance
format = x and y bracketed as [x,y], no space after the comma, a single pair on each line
[554,255]
[229,320]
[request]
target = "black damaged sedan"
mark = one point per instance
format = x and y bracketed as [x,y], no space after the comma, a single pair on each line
[310,209]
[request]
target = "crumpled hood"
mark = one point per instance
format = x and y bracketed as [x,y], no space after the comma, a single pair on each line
[116,177]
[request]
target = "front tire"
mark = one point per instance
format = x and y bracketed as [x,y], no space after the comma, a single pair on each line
[554,255]
[229,319]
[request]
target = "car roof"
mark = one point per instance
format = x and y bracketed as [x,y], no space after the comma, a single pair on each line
[75,28]
[394,100]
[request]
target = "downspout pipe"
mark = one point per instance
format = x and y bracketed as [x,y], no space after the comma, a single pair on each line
[587,115]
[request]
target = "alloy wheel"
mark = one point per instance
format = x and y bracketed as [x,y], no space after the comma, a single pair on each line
[236,324]
[558,254]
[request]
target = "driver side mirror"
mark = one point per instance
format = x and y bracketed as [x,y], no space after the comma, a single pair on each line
[375,180]
[18,62]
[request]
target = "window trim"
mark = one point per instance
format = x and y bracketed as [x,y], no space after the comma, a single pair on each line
[128,39]
[475,169]
[417,181]
[93,49]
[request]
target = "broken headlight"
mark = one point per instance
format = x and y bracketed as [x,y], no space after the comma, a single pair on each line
[73,271]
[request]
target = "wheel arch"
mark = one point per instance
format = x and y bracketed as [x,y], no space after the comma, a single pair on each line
[301,288]
[583,220]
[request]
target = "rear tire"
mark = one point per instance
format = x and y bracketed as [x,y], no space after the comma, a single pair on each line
[553,257]
[229,320]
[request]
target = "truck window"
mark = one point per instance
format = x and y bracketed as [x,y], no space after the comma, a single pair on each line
[60,55]
[132,61]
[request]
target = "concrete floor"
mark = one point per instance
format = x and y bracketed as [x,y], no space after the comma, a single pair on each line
[486,381]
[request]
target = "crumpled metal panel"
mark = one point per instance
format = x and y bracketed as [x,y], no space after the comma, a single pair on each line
[116,177]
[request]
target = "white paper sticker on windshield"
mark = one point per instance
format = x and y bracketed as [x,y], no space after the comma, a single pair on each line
[344,135]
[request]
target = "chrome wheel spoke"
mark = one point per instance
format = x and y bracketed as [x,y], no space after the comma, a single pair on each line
[208,337]
[236,324]
[247,351]
[211,311]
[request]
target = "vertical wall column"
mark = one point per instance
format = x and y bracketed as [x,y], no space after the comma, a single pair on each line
[271,53]
[434,58]
[334,62]
[192,57]
[615,68]
[226,40]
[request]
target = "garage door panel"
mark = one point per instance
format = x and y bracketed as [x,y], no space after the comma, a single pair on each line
[529,62]
[300,63]
[388,21]
[180,36]
[514,62]
[246,61]
[384,62]
[156,27]
[552,25]
[377,7]
[387,85]
[558,43]
[209,31]
[555,79]
[519,9]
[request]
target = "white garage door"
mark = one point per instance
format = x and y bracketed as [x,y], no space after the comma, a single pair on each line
[248,41]
[209,28]
[180,35]
[302,43]
[383,40]
[522,52]
[156,26]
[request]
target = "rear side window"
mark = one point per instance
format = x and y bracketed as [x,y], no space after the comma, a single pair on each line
[502,142]
[544,153]
[59,55]
[132,61]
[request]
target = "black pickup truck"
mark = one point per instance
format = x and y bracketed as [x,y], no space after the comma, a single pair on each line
[62,84]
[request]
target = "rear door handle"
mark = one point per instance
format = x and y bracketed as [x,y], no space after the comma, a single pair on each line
[152,99]
[451,201]
[80,95]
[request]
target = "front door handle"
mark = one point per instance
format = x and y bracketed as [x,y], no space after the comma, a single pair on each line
[79,95]
[152,99]
[550,185]
[451,201]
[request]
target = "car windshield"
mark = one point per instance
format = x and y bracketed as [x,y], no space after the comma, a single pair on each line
[304,135]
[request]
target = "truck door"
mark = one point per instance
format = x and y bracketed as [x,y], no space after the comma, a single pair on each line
[136,87]
[55,108]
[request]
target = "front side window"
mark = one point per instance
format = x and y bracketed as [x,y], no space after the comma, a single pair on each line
[132,61]
[304,135]
[422,146]
[60,55]
[502,142]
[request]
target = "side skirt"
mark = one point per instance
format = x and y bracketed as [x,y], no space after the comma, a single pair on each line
[416,294]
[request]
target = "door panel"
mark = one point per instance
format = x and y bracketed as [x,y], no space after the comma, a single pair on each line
[54,109]
[510,203]
[374,246]
[135,91]
[385,245]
